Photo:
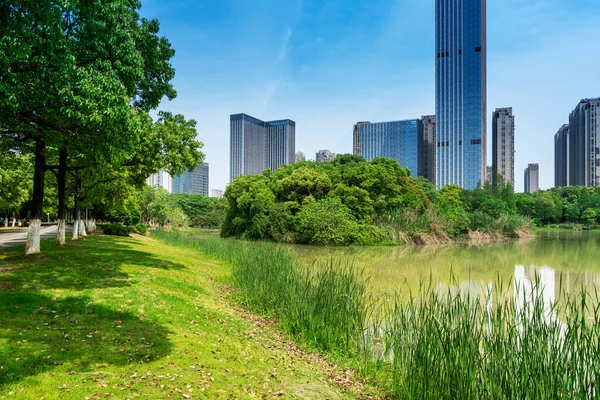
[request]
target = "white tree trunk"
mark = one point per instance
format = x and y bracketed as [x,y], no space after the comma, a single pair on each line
[6,220]
[82,232]
[92,225]
[14,220]
[33,237]
[76,229]
[60,237]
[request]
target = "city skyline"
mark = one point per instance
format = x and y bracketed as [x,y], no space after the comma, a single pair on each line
[329,65]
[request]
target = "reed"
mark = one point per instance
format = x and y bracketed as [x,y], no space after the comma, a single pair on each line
[433,344]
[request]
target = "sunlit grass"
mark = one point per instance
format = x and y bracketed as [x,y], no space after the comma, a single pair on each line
[436,343]
[120,318]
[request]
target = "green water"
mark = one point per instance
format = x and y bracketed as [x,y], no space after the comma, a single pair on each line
[570,259]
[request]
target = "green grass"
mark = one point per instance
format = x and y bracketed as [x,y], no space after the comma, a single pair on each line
[435,344]
[121,318]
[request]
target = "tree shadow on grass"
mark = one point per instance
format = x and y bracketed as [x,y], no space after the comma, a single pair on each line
[90,264]
[38,333]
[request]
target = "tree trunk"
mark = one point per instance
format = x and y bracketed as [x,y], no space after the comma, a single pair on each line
[76,224]
[62,190]
[33,234]
[14,219]
[6,216]
[82,231]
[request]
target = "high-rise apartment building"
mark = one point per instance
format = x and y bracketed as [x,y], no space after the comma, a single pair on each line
[216,193]
[256,145]
[532,178]
[503,144]
[428,148]
[324,156]
[300,156]
[400,140]
[488,174]
[461,92]
[160,179]
[561,166]
[577,147]
[192,182]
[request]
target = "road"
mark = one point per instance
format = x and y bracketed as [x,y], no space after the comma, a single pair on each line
[18,237]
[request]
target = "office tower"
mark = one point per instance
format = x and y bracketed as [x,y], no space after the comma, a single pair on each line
[561,167]
[583,147]
[400,140]
[192,182]
[160,179]
[503,144]
[428,148]
[300,156]
[256,145]
[461,92]
[488,174]
[532,178]
[324,156]
[216,193]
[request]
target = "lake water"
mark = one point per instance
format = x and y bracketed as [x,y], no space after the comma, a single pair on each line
[552,259]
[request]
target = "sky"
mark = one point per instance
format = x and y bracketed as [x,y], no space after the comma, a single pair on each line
[327,64]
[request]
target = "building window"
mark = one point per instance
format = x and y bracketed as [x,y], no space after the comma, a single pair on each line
[478,49]
[476,141]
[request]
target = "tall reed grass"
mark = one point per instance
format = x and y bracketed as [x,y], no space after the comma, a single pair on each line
[434,344]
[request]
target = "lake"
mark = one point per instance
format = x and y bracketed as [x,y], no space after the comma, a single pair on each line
[550,258]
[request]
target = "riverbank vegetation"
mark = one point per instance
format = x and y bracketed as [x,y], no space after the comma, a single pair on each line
[111,317]
[439,342]
[352,201]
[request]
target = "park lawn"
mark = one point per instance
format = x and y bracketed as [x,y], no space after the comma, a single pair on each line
[111,317]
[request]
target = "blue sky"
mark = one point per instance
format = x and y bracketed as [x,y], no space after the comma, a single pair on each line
[327,64]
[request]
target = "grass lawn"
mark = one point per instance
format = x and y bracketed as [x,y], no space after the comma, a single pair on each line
[123,318]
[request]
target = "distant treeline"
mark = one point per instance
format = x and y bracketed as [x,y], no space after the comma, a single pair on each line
[352,201]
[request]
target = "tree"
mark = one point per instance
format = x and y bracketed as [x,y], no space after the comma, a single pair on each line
[71,71]
[15,182]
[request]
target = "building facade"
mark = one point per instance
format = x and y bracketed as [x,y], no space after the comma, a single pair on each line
[428,148]
[577,147]
[256,145]
[503,144]
[192,182]
[161,179]
[216,193]
[400,140]
[532,178]
[300,156]
[461,92]
[324,156]
[561,166]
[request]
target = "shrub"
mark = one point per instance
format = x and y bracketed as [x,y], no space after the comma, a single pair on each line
[115,230]
[141,229]
[327,222]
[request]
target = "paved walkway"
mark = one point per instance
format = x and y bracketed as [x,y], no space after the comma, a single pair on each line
[18,237]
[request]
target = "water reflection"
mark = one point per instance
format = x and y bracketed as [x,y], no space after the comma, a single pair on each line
[573,258]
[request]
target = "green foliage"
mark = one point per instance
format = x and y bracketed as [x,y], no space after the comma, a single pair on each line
[141,229]
[16,173]
[117,230]
[327,221]
[201,211]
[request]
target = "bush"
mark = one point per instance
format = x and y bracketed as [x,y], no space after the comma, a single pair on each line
[141,229]
[327,222]
[116,230]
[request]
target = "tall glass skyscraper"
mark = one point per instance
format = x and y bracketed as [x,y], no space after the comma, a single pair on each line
[460,77]
[192,182]
[400,140]
[256,145]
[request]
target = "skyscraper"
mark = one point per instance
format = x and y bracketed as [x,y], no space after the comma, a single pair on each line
[577,147]
[160,179]
[583,147]
[300,156]
[324,156]
[428,148]
[256,145]
[192,182]
[400,140]
[532,178]
[561,166]
[461,92]
[503,144]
